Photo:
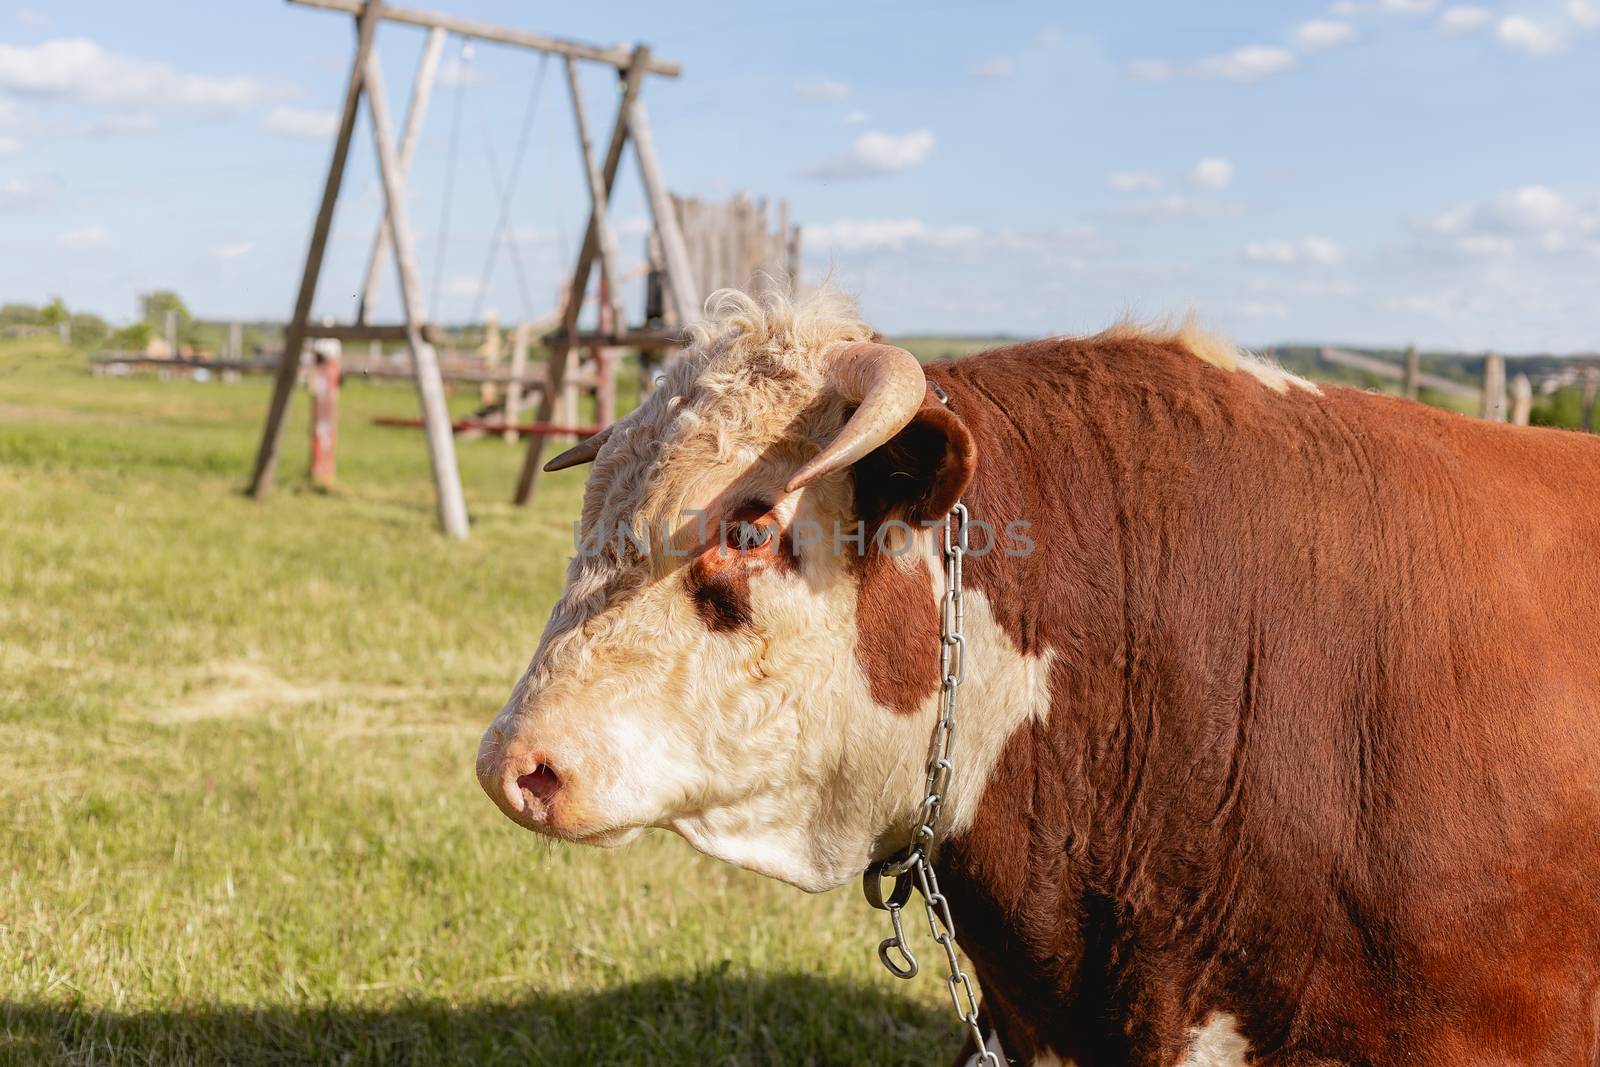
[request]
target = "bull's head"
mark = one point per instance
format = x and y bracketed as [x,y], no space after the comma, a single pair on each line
[732,659]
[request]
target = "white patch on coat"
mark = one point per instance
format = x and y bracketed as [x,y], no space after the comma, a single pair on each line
[1217,1044]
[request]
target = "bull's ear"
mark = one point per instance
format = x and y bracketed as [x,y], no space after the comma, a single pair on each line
[920,472]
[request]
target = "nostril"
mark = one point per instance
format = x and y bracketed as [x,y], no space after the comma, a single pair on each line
[541,782]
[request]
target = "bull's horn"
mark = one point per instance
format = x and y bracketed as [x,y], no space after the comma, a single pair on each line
[888,387]
[582,452]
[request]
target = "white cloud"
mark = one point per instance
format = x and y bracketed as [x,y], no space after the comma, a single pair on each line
[463,286]
[1134,181]
[19,194]
[1261,309]
[868,235]
[234,250]
[80,238]
[1049,37]
[9,145]
[125,122]
[1214,173]
[1524,34]
[1465,19]
[1585,13]
[855,118]
[1314,251]
[1152,70]
[79,70]
[1248,64]
[1349,8]
[301,122]
[26,16]
[1179,208]
[1532,221]
[822,89]
[1324,33]
[996,68]
[878,153]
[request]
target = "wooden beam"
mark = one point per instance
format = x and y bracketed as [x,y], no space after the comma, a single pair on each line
[1384,369]
[617,56]
[358,331]
[632,78]
[416,111]
[295,334]
[621,339]
[610,279]
[451,502]
[686,295]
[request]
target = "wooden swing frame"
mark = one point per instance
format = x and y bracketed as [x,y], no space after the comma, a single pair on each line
[395,238]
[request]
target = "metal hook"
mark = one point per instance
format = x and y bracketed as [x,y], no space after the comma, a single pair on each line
[898,941]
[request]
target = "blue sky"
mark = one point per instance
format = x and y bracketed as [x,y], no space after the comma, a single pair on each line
[1368,171]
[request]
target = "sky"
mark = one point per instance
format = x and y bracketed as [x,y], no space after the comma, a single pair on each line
[1357,171]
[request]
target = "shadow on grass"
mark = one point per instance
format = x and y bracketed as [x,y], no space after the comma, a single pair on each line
[714,1018]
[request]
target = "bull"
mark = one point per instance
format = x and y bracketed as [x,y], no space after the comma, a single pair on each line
[1280,737]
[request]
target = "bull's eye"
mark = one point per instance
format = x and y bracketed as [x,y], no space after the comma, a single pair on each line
[747,536]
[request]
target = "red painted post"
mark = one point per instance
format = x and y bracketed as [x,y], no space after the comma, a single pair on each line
[323,382]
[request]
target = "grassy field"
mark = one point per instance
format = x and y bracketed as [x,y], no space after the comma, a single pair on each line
[236,742]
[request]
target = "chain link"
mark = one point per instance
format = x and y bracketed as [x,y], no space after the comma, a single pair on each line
[915,865]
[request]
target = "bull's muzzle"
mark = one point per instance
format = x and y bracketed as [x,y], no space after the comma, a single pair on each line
[522,782]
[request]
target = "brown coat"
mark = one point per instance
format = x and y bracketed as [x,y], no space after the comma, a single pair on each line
[1324,743]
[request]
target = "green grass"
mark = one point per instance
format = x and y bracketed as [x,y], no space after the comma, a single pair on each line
[238,821]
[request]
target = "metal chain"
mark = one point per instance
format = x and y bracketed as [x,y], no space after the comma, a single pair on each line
[914,867]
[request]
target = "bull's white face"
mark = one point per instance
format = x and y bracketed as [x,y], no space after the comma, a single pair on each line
[703,677]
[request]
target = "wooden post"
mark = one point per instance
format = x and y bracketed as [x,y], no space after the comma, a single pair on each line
[452,503]
[599,195]
[561,355]
[294,335]
[416,111]
[1494,387]
[1413,377]
[1521,400]
[323,383]
[519,367]
[490,352]
[1591,386]
[685,293]
[605,362]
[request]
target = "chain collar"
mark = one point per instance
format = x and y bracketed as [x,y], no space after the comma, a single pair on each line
[913,867]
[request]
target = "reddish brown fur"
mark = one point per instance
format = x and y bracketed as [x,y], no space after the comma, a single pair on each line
[1324,746]
[914,480]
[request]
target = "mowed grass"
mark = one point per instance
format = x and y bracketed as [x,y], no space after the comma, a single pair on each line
[239,817]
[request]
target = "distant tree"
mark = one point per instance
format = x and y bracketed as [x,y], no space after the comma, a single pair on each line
[19,315]
[153,308]
[1563,408]
[54,313]
[133,338]
[89,331]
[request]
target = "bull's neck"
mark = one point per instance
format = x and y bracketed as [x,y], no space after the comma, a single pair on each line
[1079,827]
